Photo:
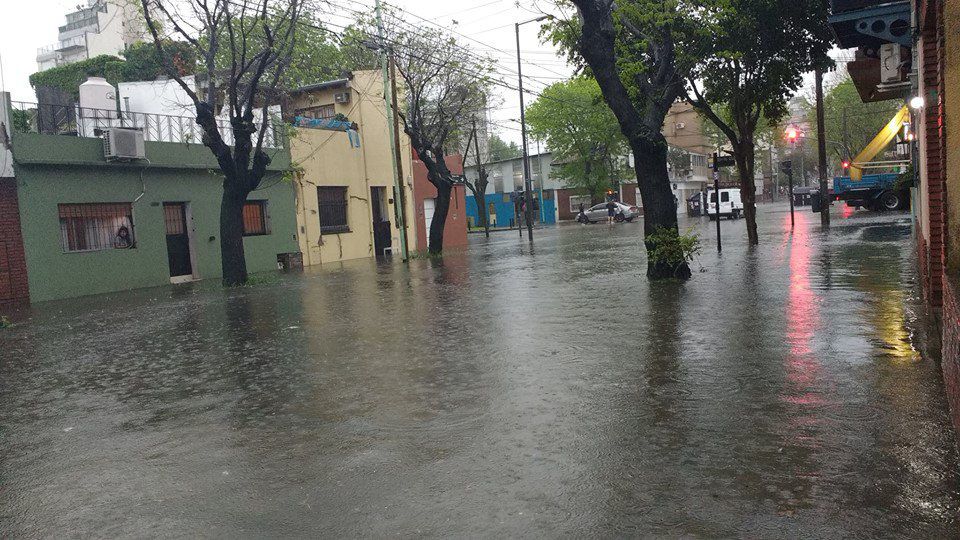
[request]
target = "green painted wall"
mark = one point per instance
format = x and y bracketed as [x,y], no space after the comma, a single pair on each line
[56,169]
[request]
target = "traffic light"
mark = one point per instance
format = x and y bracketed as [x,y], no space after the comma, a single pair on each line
[786,166]
[792,134]
[846,165]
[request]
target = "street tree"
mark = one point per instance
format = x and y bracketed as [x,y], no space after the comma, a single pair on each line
[582,133]
[635,51]
[501,150]
[478,185]
[748,69]
[445,89]
[258,37]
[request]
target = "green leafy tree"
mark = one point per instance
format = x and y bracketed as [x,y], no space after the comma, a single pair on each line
[849,123]
[582,133]
[753,54]
[140,62]
[636,50]
[501,150]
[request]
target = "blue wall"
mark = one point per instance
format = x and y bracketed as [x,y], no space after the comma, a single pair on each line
[505,210]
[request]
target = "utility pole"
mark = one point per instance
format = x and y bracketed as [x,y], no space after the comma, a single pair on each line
[389,99]
[527,187]
[716,195]
[398,160]
[822,154]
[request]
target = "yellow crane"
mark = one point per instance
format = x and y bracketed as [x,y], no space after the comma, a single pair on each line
[883,138]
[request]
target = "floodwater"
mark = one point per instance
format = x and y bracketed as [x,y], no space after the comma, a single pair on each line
[503,392]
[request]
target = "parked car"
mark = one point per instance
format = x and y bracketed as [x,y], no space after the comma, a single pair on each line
[598,213]
[731,205]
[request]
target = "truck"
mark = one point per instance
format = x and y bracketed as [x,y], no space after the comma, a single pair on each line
[873,191]
[879,191]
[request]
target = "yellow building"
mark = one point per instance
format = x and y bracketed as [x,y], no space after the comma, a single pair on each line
[345,183]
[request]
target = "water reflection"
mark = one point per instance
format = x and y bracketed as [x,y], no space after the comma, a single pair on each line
[494,393]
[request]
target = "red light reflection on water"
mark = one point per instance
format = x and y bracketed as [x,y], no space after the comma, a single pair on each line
[802,316]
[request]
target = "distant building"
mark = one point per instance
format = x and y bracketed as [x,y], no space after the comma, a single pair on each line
[683,127]
[505,185]
[346,203]
[103,27]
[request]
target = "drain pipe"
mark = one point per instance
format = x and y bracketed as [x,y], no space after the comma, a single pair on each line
[143,183]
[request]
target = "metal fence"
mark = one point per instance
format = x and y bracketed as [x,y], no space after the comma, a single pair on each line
[54,119]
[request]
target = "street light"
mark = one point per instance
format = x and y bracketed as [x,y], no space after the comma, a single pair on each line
[527,187]
[916,103]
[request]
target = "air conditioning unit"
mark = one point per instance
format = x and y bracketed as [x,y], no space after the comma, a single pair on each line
[681,125]
[121,144]
[342,97]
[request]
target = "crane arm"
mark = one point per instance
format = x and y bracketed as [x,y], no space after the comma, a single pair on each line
[887,134]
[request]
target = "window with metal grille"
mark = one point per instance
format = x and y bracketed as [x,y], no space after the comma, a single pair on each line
[255,218]
[96,227]
[332,202]
[322,112]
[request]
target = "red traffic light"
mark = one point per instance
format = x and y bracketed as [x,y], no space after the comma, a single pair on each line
[845,164]
[792,134]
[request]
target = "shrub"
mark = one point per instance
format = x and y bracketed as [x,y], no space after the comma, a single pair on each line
[666,246]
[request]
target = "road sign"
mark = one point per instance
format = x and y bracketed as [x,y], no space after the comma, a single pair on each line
[716,175]
[723,161]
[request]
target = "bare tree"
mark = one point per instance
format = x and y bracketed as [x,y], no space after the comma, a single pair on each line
[477,187]
[445,89]
[243,47]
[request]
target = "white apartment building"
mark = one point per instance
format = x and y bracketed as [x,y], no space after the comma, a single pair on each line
[103,27]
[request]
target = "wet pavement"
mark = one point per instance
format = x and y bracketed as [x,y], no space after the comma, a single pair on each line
[498,393]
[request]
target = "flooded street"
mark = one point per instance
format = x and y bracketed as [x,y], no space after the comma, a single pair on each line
[496,393]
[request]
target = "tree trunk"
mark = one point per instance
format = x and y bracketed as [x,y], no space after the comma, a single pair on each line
[233,261]
[441,208]
[746,162]
[482,213]
[658,208]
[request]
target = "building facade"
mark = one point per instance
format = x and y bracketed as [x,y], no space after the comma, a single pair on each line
[505,185]
[89,225]
[346,201]
[909,50]
[102,27]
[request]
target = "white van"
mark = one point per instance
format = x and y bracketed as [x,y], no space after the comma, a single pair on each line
[730,204]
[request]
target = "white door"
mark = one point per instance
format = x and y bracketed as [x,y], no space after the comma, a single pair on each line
[428,208]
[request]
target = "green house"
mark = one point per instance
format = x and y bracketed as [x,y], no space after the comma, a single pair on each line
[93,225]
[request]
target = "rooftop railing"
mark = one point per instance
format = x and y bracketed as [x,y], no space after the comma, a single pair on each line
[76,121]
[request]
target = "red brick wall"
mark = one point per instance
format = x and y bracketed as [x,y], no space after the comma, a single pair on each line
[455,231]
[931,39]
[950,361]
[13,263]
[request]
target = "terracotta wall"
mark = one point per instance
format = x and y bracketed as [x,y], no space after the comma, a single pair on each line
[455,232]
[14,288]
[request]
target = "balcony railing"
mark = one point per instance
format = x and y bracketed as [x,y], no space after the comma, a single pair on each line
[72,120]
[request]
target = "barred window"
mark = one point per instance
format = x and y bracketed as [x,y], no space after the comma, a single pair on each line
[255,218]
[333,209]
[96,227]
[322,112]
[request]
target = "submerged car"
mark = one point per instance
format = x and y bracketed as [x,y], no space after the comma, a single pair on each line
[598,213]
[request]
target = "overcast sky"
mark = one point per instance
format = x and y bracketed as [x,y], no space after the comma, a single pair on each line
[30,24]
[487,25]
